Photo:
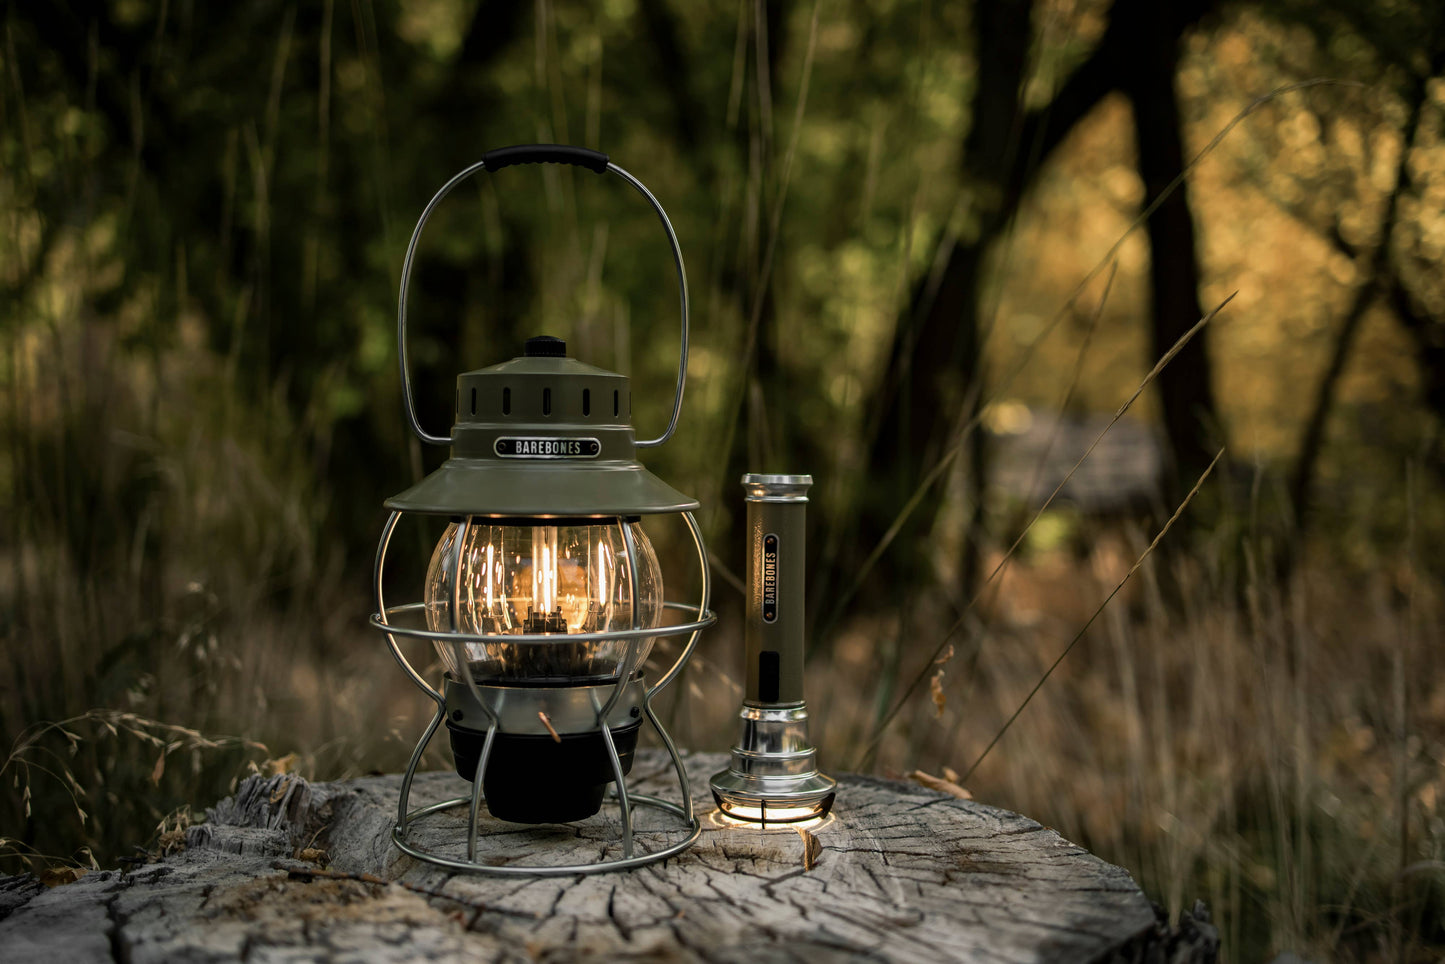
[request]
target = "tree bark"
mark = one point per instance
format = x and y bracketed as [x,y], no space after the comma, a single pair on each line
[287,868]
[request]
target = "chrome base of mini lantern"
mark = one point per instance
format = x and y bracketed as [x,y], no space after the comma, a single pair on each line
[602,707]
[773,776]
[765,801]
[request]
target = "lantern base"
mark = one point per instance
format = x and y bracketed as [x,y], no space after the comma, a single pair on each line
[688,828]
[534,778]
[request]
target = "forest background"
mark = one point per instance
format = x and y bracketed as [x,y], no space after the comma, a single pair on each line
[936,251]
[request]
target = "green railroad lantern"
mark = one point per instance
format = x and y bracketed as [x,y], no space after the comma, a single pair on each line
[543,596]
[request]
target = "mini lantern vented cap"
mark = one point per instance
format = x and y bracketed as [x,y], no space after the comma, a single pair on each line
[545,346]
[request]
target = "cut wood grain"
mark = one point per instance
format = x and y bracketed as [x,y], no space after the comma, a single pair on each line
[900,873]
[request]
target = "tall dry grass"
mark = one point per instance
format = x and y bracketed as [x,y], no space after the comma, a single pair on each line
[166,581]
[1280,755]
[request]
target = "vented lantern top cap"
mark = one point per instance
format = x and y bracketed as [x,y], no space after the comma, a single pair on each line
[545,346]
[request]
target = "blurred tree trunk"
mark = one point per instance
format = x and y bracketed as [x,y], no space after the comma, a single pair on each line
[1191,422]
[1378,281]
[933,373]
[1426,329]
[931,385]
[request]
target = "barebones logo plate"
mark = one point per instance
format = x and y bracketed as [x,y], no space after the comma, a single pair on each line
[547,448]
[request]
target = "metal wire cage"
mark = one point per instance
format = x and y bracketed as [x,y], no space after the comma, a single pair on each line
[603,700]
[535,461]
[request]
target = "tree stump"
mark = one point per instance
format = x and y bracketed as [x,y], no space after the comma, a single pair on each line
[290,870]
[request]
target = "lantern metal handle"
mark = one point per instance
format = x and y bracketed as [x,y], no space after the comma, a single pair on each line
[538,154]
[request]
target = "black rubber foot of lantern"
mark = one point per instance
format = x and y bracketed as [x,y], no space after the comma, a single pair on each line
[537,779]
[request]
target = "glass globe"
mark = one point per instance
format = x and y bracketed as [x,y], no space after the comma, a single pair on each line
[523,577]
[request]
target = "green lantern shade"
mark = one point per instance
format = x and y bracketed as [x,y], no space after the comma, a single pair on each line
[542,436]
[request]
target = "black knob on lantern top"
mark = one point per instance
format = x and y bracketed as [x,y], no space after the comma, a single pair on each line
[545,346]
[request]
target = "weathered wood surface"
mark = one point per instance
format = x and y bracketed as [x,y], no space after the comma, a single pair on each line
[904,874]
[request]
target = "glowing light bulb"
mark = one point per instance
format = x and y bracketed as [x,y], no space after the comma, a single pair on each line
[521,578]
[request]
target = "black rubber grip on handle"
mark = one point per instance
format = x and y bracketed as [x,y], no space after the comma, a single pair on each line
[545,154]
